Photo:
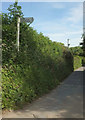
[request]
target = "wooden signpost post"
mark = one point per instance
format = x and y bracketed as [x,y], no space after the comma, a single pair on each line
[27,20]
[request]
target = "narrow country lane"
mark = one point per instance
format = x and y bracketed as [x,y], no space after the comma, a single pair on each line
[66,101]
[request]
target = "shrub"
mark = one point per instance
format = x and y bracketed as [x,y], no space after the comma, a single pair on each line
[77,62]
[83,61]
[36,69]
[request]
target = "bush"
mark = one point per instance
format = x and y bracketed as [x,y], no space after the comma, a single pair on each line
[83,61]
[36,69]
[40,72]
[77,62]
[78,51]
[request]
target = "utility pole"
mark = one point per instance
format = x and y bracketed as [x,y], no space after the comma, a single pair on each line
[68,43]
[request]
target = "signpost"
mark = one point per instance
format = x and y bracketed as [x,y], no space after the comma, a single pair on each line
[18,30]
[27,20]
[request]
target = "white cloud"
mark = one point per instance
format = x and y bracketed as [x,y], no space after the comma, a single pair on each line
[75,42]
[49,26]
[58,37]
[76,14]
[58,5]
[0,6]
[75,32]
[65,33]
[75,37]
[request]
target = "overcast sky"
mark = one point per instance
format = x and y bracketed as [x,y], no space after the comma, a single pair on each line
[57,20]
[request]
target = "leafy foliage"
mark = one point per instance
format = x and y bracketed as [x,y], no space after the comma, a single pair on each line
[77,51]
[83,47]
[37,68]
[77,61]
[83,44]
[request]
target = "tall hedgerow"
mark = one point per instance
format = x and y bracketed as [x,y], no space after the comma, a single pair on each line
[37,68]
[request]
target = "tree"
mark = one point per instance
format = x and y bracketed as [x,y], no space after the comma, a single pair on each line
[14,10]
[9,27]
[77,50]
[83,44]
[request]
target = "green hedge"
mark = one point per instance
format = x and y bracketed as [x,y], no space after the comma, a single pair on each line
[83,61]
[29,76]
[36,69]
[77,62]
